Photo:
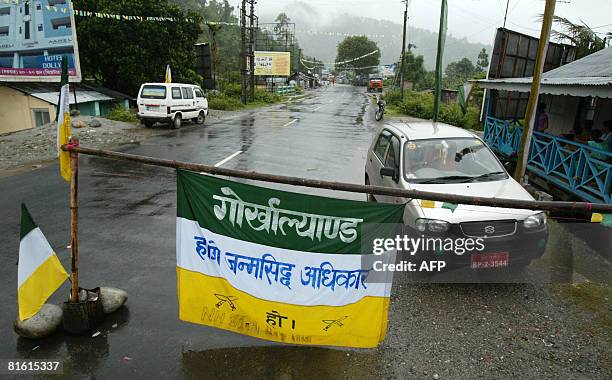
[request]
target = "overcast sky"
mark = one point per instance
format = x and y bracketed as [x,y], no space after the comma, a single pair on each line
[473,19]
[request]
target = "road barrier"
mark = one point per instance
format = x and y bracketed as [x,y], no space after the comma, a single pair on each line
[573,209]
[582,210]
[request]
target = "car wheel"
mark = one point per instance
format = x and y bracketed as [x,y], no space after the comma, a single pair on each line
[370,197]
[177,122]
[201,118]
[148,124]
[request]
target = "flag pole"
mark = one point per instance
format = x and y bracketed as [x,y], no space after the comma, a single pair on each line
[74,213]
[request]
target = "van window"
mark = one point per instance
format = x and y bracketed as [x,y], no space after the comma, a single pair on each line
[198,93]
[176,93]
[187,93]
[153,92]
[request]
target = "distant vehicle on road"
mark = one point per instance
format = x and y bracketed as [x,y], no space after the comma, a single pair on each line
[171,103]
[440,158]
[380,110]
[375,83]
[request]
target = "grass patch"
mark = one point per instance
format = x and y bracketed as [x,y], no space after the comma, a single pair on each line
[228,99]
[393,111]
[224,103]
[121,114]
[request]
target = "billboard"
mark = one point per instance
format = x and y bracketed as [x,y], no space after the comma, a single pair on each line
[272,63]
[514,55]
[34,36]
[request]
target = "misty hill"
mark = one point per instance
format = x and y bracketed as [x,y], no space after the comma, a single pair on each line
[309,25]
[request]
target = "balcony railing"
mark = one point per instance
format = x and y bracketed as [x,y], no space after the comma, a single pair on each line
[578,168]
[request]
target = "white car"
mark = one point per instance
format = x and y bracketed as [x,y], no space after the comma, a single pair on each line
[440,158]
[171,103]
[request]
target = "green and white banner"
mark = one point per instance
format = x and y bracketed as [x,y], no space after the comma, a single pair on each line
[278,265]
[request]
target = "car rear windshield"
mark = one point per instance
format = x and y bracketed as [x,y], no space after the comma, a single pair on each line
[153,92]
[450,159]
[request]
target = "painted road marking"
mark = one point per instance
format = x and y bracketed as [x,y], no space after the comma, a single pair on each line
[227,159]
[291,122]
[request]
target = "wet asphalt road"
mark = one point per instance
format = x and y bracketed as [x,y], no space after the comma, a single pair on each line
[127,232]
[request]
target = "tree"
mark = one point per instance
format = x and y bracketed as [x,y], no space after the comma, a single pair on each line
[457,73]
[282,25]
[123,54]
[224,39]
[582,36]
[414,70]
[355,47]
[483,60]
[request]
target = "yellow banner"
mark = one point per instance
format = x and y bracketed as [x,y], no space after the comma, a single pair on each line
[212,301]
[64,157]
[272,63]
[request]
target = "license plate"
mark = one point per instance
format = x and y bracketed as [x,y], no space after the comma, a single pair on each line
[490,260]
[152,108]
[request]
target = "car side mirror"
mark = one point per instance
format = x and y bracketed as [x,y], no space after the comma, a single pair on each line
[390,172]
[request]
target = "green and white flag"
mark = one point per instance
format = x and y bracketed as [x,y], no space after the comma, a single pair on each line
[39,271]
[281,266]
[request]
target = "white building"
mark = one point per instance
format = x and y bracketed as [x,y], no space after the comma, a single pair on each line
[34,35]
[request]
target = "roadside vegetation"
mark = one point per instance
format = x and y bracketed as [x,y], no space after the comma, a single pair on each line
[421,104]
[228,98]
[119,113]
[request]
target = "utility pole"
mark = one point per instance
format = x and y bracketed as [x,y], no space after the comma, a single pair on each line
[530,113]
[243,54]
[506,15]
[440,58]
[403,50]
[252,30]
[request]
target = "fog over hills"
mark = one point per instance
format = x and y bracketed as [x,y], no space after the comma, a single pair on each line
[311,24]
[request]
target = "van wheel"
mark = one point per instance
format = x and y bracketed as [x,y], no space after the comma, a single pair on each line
[148,124]
[177,122]
[201,118]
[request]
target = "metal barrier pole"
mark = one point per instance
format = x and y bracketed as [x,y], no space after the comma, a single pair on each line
[578,209]
[74,215]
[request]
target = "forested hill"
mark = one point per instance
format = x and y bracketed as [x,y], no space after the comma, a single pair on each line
[323,47]
[311,26]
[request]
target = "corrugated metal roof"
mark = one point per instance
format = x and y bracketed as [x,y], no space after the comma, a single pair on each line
[32,88]
[81,97]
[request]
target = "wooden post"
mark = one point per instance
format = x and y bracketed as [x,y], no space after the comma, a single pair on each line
[74,208]
[532,104]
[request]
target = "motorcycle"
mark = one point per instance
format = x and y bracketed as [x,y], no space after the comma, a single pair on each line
[381,109]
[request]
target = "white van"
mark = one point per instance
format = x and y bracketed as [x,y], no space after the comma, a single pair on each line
[171,103]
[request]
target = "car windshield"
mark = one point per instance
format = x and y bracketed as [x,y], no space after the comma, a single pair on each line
[153,92]
[451,160]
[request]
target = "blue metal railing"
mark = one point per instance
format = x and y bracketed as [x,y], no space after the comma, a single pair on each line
[578,168]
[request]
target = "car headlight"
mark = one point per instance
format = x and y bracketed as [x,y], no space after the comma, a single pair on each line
[432,225]
[535,221]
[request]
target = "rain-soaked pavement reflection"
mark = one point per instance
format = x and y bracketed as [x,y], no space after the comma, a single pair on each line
[280,363]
